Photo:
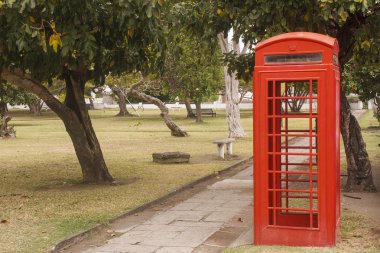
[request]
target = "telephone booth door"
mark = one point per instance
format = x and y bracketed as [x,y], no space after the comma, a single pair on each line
[296,151]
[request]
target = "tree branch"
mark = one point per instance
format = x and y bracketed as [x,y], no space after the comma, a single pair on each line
[26,82]
[137,84]
[223,42]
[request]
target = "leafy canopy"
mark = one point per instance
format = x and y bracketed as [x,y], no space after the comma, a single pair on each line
[46,37]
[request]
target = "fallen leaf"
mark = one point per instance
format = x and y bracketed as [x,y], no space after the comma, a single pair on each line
[3,221]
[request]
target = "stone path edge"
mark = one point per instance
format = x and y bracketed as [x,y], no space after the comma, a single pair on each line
[83,235]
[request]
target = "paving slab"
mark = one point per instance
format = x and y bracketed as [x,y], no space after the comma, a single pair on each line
[201,223]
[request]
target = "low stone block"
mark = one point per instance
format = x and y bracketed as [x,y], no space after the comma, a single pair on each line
[171,157]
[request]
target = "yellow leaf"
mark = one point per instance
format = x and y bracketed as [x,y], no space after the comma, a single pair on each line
[306,18]
[131,32]
[365,43]
[32,19]
[219,11]
[55,41]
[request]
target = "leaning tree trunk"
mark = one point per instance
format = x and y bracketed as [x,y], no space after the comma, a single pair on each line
[190,113]
[232,92]
[79,126]
[175,130]
[121,101]
[359,168]
[75,117]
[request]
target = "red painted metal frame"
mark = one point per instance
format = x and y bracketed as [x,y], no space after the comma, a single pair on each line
[296,203]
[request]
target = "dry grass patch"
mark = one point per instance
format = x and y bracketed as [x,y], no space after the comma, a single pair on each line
[42,199]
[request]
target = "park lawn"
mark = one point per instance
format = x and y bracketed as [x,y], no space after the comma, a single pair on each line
[355,229]
[42,200]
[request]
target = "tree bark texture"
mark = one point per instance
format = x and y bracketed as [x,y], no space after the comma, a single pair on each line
[232,93]
[79,127]
[121,101]
[358,164]
[75,117]
[174,128]
[190,113]
[359,167]
[198,109]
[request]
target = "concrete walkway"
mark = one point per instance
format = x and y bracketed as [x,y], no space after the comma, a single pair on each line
[216,218]
[213,219]
[207,222]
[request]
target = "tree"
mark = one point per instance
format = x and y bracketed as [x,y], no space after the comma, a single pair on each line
[11,94]
[77,41]
[34,103]
[194,73]
[129,85]
[351,22]
[200,20]
[174,128]
[117,85]
[362,74]
[232,87]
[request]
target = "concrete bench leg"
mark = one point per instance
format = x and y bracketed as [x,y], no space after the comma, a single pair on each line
[229,148]
[221,150]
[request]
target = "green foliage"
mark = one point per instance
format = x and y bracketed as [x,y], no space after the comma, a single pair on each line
[46,37]
[353,22]
[362,75]
[196,72]
[12,95]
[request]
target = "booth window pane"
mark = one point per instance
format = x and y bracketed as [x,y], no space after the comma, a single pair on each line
[293,153]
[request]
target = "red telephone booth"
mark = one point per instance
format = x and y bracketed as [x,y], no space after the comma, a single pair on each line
[296,140]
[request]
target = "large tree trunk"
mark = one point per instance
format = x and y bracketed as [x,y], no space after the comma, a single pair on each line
[190,113]
[359,168]
[198,110]
[121,101]
[75,117]
[79,126]
[175,130]
[232,92]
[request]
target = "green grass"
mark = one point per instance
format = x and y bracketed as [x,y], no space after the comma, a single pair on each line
[41,197]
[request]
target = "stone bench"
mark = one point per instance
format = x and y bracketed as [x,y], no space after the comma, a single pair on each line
[220,144]
[171,157]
